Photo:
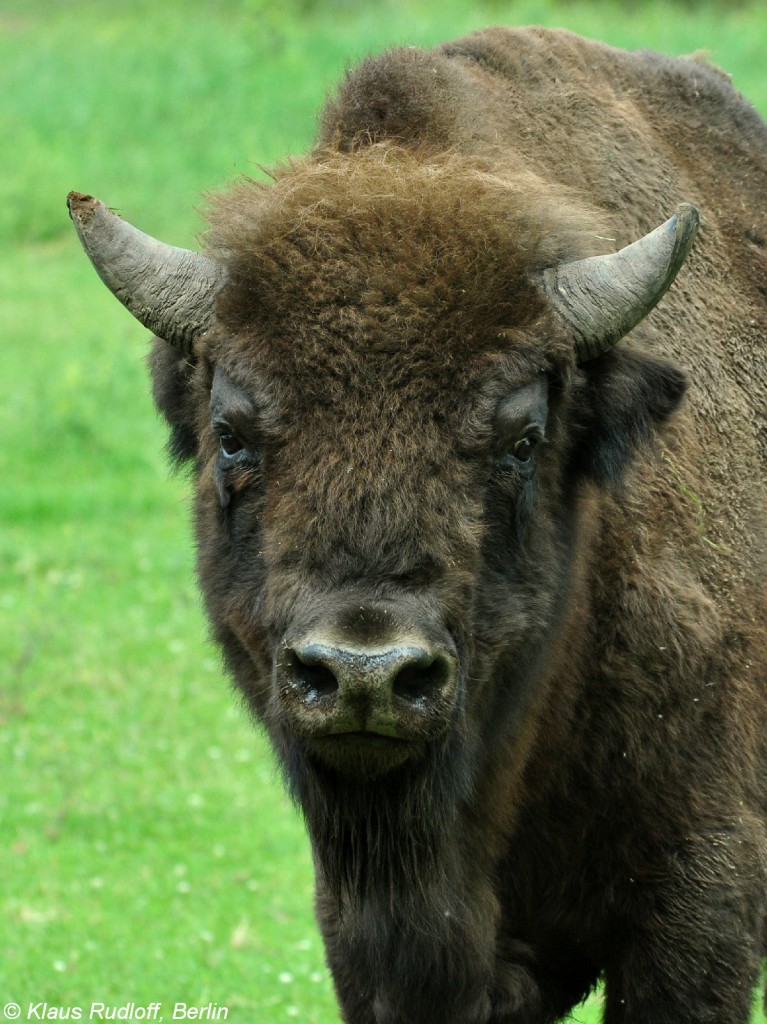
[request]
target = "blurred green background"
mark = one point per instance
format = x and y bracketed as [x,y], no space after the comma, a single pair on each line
[146,849]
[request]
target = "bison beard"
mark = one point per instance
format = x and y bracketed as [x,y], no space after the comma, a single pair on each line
[385,838]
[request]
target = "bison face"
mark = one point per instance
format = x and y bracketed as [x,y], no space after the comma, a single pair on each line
[343,558]
[388,564]
[372,546]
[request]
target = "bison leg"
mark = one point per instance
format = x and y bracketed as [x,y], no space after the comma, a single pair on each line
[651,992]
[692,945]
[422,963]
[395,979]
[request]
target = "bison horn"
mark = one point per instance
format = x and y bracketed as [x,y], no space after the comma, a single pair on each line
[171,291]
[602,298]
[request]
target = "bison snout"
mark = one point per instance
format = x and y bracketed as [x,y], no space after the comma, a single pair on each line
[403,691]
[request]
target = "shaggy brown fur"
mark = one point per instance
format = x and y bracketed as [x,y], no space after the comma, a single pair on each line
[597,805]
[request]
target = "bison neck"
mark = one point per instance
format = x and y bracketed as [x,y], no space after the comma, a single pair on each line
[409,927]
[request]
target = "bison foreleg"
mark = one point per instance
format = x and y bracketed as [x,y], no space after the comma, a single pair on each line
[412,962]
[691,949]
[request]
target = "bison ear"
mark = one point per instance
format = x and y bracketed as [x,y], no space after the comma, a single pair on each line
[173,388]
[630,395]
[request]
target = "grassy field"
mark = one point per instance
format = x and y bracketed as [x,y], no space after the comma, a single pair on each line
[147,852]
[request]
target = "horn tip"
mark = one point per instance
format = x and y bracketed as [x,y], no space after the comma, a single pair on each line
[76,200]
[687,219]
[81,207]
[688,210]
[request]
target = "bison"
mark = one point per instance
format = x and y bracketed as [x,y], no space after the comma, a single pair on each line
[481,531]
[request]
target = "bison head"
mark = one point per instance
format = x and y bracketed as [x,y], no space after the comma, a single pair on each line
[396,378]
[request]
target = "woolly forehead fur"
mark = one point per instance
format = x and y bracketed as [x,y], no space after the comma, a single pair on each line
[393,256]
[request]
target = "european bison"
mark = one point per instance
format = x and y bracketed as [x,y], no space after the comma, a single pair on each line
[493,583]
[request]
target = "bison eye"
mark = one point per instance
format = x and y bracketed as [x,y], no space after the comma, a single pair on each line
[524,448]
[230,445]
[518,458]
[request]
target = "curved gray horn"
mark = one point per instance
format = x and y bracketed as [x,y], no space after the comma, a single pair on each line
[603,297]
[171,291]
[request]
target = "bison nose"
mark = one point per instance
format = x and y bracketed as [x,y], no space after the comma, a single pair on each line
[409,674]
[367,689]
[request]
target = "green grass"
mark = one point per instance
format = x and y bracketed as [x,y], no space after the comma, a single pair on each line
[146,848]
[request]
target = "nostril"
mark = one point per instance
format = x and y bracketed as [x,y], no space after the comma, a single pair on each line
[419,680]
[307,671]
